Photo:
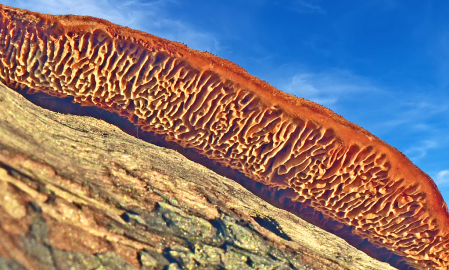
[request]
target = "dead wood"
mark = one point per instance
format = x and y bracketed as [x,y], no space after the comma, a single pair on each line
[79,193]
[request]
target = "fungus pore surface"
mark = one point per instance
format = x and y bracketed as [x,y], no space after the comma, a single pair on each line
[207,103]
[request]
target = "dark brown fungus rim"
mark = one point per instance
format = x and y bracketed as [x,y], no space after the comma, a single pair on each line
[382,196]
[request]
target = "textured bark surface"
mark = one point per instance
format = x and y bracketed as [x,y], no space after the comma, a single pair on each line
[78,193]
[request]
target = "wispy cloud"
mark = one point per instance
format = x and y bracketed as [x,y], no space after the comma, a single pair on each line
[150,16]
[117,12]
[181,32]
[420,151]
[327,88]
[414,111]
[442,177]
[303,6]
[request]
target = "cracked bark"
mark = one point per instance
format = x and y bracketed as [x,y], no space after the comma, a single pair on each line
[79,193]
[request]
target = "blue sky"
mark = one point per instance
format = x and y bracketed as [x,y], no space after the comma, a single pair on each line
[382,64]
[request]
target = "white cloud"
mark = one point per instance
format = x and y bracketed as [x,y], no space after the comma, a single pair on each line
[150,16]
[181,32]
[327,88]
[442,177]
[303,85]
[119,13]
[417,152]
[413,111]
[303,6]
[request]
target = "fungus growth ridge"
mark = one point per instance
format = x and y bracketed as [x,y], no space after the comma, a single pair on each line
[215,107]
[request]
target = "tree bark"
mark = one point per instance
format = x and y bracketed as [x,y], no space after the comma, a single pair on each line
[79,193]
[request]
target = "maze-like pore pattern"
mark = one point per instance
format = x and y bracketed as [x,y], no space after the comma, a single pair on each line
[164,93]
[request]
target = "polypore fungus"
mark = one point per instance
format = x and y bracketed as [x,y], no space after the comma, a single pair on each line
[204,102]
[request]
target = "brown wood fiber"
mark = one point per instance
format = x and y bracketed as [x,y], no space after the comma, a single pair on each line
[212,105]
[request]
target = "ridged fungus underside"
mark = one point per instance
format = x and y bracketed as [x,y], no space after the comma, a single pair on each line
[211,105]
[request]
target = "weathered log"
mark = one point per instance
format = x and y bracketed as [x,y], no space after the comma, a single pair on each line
[79,193]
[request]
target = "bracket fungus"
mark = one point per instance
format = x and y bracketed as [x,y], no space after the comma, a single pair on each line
[203,102]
